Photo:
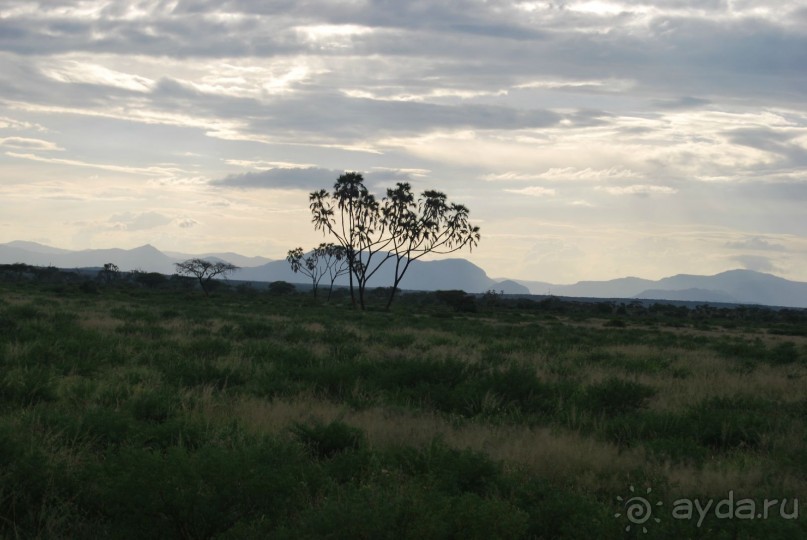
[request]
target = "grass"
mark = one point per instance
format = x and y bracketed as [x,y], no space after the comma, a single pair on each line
[127,413]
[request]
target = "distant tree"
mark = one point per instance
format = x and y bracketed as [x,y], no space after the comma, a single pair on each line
[458,300]
[281,288]
[109,273]
[18,270]
[204,271]
[308,265]
[152,280]
[324,260]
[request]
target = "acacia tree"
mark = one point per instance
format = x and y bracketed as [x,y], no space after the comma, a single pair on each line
[325,259]
[398,228]
[204,271]
[430,225]
[109,273]
[352,215]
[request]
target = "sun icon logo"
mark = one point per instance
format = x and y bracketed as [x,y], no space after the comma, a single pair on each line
[637,509]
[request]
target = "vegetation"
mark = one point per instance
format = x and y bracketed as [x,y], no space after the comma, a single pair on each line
[397,228]
[131,411]
[204,271]
[324,260]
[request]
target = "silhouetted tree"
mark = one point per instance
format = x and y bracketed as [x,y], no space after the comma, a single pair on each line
[152,280]
[204,271]
[109,273]
[352,215]
[430,225]
[324,260]
[399,227]
[281,288]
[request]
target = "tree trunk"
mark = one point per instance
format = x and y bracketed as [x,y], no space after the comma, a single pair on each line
[202,285]
[351,261]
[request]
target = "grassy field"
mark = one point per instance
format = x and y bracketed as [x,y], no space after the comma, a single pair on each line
[130,413]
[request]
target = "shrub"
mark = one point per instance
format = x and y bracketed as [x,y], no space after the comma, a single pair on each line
[326,440]
[783,353]
[27,385]
[615,396]
[154,405]
[458,300]
[281,288]
[202,494]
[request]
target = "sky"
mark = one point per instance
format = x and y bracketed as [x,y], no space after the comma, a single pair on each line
[589,139]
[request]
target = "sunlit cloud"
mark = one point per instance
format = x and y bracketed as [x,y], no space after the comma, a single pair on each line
[143,171]
[533,191]
[24,143]
[73,72]
[638,189]
[565,174]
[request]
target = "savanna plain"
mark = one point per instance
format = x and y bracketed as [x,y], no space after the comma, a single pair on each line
[157,412]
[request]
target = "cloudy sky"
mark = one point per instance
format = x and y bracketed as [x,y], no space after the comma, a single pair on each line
[590,139]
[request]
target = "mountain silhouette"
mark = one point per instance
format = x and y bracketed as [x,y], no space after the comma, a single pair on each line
[422,275]
[733,286]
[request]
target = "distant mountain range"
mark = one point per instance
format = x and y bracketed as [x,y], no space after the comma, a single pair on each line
[733,286]
[422,275]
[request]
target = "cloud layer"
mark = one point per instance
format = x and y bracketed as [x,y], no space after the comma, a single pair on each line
[564,125]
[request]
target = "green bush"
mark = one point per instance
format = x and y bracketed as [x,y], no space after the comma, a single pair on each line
[154,405]
[27,385]
[783,353]
[326,440]
[459,301]
[615,396]
[181,494]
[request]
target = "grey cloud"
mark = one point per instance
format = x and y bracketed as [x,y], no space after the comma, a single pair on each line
[681,103]
[334,115]
[682,56]
[187,223]
[755,243]
[770,140]
[307,179]
[354,116]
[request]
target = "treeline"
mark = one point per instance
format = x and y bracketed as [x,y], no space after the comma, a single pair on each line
[788,321]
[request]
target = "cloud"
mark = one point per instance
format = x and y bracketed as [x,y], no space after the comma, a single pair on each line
[74,72]
[187,223]
[281,178]
[756,263]
[23,143]
[145,171]
[776,141]
[11,123]
[755,243]
[641,190]
[262,164]
[700,99]
[566,174]
[533,191]
[310,178]
[686,102]
[139,222]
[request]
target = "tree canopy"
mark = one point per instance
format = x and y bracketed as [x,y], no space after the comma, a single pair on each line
[204,271]
[398,227]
